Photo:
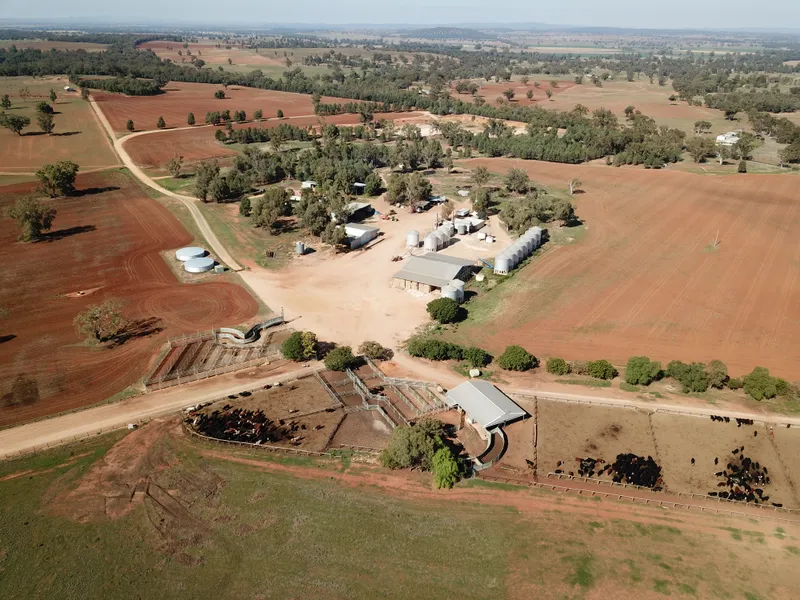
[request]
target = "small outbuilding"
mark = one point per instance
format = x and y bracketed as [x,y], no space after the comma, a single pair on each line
[463,193]
[360,235]
[432,271]
[360,210]
[308,185]
[358,188]
[486,407]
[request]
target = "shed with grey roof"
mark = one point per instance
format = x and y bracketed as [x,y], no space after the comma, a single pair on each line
[360,234]
[485,405]
[432,271]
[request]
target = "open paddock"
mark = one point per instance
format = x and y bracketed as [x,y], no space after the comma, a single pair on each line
[567,431]
[644,279]
[787,447]
[298,397]
[179,99]
[679,439]
[104,244]
[46,45]
[77,136]
[491,91]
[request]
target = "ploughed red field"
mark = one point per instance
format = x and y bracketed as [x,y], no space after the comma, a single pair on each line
[179,99]
[106,243]
[646,279]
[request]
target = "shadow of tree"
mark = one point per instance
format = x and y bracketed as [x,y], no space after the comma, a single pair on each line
[137,328]
[94,190]
[7,338]
[65,133]
[54,236]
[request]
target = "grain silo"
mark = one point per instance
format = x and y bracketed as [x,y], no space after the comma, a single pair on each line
[431,243]
[448,227]
[189,253]
[449,291]
[412,239]
[462,228]
[299,248]
[502,265]
[198,265]
[442,237]
[458,285]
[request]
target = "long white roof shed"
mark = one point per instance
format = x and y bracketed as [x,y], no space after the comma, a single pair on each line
[485,403]
[433,269]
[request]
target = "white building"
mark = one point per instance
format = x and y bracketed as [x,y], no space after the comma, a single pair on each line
[308,185]
[728,139]
[486,407]
[360,234]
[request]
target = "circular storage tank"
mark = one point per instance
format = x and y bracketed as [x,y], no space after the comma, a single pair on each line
[462,228]
[459,287]
[502,264]
[299,248]
[412,239]
[198,265]
[449,291]
[431,242]
[189,253]
[490,239]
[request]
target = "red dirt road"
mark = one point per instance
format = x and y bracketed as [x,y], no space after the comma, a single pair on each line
[108,243]
[643,279]
[180,99]
[155,149]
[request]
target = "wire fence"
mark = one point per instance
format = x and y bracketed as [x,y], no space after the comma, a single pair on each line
[198,374]
[634,499]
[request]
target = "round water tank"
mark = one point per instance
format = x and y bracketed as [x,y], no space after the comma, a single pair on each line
[449,291]
[299,248]
[502,265]
[189,253]
[431,243]
[198,265]
[412,239]
[462,228]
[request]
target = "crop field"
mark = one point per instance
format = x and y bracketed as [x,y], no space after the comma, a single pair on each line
[77,135]
[155,149]
[645,278]
[105,243]
[179,99]
[46,45]
[251,523]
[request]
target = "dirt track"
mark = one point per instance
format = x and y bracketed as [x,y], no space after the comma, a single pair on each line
[643,280]
[106,243]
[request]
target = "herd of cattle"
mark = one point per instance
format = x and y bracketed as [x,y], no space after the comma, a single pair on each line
[744,479]
[241,425]
[627,468]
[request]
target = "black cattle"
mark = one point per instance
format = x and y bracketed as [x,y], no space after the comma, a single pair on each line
[692,461]
[716,461]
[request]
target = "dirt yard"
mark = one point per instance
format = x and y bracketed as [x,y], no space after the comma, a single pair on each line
[180,99]
[567,431]
[679,439]
[644,278]
[77,135]
[364,428]
[105,244]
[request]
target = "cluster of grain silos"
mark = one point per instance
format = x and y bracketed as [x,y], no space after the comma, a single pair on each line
[454,290]
[438,238]
[521,249]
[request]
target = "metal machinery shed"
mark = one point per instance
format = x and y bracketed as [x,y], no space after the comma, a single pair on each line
[360,210]
[431,272]
[360,234]
[486,406]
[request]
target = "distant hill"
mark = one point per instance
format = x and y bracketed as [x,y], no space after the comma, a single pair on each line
[450,33]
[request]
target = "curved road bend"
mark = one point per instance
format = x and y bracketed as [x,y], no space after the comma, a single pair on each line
[190,203]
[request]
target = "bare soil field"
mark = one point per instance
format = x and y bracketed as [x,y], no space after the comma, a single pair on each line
[198,143]
[679,439]
[77,136]
[210,53]
[105,243]
[179,99]
[645,279]
[567,431]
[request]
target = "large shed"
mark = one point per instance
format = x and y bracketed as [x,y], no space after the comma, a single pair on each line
[486,406]
[432,271]
[360,234]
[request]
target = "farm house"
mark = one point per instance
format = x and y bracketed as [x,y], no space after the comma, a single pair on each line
[431,272]
[486,407]
[360,234]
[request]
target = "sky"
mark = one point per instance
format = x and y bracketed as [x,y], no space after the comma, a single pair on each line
[257,13]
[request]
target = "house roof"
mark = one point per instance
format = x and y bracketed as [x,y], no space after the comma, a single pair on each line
[356,206]
[485,403]
[432,269]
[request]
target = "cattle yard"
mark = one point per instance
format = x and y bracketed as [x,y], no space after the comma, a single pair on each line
[692,452]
